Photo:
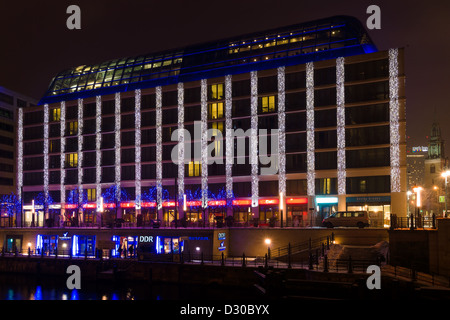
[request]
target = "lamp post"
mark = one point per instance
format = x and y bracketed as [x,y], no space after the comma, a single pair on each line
[417,190]
[281,209]
[445,174]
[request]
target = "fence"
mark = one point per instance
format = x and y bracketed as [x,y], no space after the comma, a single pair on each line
[413,222]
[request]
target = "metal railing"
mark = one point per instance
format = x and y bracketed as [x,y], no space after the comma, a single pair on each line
[413,222]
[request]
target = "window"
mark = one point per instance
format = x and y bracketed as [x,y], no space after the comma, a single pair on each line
[215,110]
[194,169]
[268,104]
[56,114]
[72,127]
[217,142]
[216,91]
[72,160]
[91,194]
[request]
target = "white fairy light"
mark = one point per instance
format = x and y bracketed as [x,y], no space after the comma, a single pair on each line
[137,154]
[310,158]
[19,152]
[254,136]
[180,89]
[80,150]
[62,155]
[281,131]
[98,143]
[340,117]
[117,145]
[394,120]
[229,139]
[46,162]
[159,146]
[204,140]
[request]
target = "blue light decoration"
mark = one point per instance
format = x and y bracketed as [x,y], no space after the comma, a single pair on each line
[75,245]
[158,244]
[42,200]
[10,204]
[39,242]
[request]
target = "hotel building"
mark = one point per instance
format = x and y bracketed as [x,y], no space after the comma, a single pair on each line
[98,149]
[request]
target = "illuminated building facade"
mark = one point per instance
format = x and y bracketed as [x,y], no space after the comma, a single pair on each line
[100,145]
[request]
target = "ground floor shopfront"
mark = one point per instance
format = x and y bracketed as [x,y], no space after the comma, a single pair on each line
[292,212]
[192,242]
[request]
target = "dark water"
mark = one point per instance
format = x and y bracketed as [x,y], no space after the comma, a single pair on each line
[24,287]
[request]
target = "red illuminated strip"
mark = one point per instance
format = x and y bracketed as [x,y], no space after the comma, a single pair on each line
[169,204]
[268,201]
[194,203]
[70,206]
[242,202]
[89,205]
[148,204]
[296,200]
[217,203]
[127,204]
[109,205]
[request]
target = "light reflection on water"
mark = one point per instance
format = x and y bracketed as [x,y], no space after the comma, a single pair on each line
[25,287]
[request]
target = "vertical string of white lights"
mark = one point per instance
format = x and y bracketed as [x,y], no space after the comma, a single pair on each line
[98,152]
[340,118]
[19,152]
[46,178]
[281,131]
[254,136]
[137,154]
[117,145]
[229,140]
[80,150]
[180,141]
[310,158]
[204,140]
[394,120]
[159,146]
[63,156]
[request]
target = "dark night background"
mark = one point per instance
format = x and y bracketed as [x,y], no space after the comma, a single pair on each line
[36,45]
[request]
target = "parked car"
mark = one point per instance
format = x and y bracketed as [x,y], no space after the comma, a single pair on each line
[358,219]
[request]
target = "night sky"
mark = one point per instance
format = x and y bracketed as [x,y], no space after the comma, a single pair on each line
[35,43]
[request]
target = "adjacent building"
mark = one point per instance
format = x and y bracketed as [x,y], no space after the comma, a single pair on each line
[304,120]
[10,101]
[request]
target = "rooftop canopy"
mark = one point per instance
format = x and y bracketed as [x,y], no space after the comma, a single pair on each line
[296,44]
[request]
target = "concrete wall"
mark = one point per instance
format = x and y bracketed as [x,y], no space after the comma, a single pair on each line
[250,241]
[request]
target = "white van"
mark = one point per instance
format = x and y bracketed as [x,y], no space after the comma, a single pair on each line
[358,219]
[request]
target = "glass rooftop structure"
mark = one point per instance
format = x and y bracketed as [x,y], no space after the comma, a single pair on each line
[296,44]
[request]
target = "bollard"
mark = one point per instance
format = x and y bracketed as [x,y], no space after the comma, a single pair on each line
[201,262]
[222,263]
[325,263]
[310,261]
[265,261]
[350,267]
[289,256]
[243,260]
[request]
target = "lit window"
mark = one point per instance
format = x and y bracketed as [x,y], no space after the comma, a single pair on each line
[215,110]
[216,91]
[268,104]
[73,127]
[194,169]
[217,143]
[72,160]
[56,114]
[91,195]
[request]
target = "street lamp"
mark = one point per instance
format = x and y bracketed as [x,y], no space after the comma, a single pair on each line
[281,208]
[445,174]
